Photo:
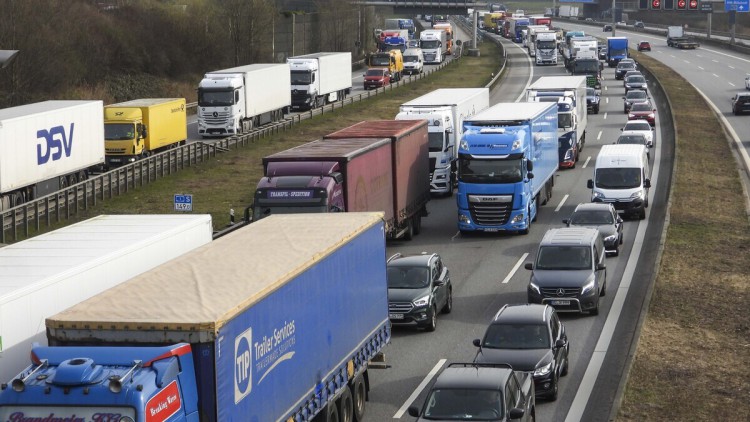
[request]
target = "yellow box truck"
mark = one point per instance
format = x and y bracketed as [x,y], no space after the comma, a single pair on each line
[138,128]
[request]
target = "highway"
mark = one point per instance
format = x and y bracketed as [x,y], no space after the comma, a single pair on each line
[487,272]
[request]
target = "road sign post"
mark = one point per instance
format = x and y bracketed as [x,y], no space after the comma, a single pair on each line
[183,203]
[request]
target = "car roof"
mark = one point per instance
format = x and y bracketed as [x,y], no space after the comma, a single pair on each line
[634,121]
[410,260]
[570,236]
[594,206]
[634,91]
[473,376]
[521,313]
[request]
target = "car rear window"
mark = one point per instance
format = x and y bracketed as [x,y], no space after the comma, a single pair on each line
[641,107]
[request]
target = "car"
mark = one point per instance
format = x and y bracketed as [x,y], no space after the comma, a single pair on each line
[635,82]
[634,96]
[602,52]
[412,44]
[376,77]
[592,100]
[604,217]
[569,271]
[607,28]
[747,81]
[644,46]
[624,66]
[634,138]
[479,392]
[630,73]
[643,111]
[640,126]
[531,338]
[419,287]
[589,20]
[740,103]
[639,24]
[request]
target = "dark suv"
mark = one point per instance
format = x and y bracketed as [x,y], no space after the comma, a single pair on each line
[604,217]
[741,103]
[532,339]
[479,392]
[622,67]
[419,286]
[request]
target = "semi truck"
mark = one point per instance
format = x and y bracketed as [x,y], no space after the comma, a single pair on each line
[445,110]
[580,48]
[236,330]
[546,47]
[320,78]
[517,24]
[433,43]
[392,60]
[531,33]
[47,146]
[50,272]
[237,100]
[585,60]
[507,159]
[138,128]
[676,37]
[493,21]
[617,49]
[569,93]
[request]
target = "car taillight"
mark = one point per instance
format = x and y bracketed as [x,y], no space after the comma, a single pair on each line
[631,115]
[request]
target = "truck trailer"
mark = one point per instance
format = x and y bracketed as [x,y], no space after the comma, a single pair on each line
[236,100]
[47,146]
[46,274]
[258,325]
[445,110]
[138,128]
[676,37]
[507,159]
[320,78]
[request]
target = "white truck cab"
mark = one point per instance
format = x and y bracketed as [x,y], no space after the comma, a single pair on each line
[433,43]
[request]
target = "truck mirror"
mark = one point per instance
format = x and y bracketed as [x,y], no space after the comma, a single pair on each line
[529,165]
[459,42]
[590,184]
[530,175]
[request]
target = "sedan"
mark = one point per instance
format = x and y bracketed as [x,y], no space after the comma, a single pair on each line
[644,46]
[643,111]
[602,216]
[641,127]
[634,96]
[607,28]
[635,82]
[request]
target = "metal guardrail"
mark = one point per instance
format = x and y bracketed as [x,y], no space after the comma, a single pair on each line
[19,222]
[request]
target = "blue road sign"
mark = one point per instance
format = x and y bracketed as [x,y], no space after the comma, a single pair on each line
[737,5]
[183,203]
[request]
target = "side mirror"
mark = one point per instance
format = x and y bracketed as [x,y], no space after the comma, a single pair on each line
[529,165]
[647,183]
[559,343]
[477,342]
[530,175]
[528,266]
[516,413]
[600,267]
[619,219]
[414,411]
[566,221]
[590,184]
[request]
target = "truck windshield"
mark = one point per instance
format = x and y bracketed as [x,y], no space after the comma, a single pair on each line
[545,44]
[617,51]
[429,44]
[119,131]
[380,60]
[401,47]
[411,59]
[301,77]
[586,66]
[473,170]
[564,258]
[211,98]
[564,120]
[618,178]
[435,141]
[466,403]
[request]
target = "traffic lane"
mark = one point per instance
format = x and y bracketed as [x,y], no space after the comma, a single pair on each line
[518,72]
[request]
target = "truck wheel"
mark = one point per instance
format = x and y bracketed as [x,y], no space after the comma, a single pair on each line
[16,199]
[72,179]
[346,406]
[329,414]
[409,234]
[63,182]
[359,396]
[417,224]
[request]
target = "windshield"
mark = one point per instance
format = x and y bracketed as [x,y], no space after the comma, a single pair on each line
[516,336]
[564,258]
[462,404]
[590,92]
[636,79]
[489,170]
[625,66]
[545,44]
[119,131]
[617,52]
[375,72]
[435,140]
[636,95]
[215,98]
[592,217]
[632,140]
[618,178]
[301,77]
[586,66]
[380,60]
[429,44]
[637,126]
[403,277]
[641,107]
[411,59]
[564,120]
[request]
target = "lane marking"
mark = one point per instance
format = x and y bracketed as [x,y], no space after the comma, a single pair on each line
[599,136]
[562,201]
[714,60]
[419,389]
[585,163]
[731,84]
[701,68]
[686,61]
[715,75]
[606,100]
[731,67]
[515,267]
[605,114]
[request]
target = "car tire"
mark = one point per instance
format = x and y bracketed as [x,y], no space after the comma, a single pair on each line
[617,250]
[564,371]
[448,303]
[595,311]
[432,322]
[603,291]
[642,214]
[555,388]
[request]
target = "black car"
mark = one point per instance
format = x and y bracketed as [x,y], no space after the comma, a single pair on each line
[638,24]
[419,287]
[607,28]
[635,82]
[602,52]
[604,217]
[622,67]
[592,100]
[741,103]
[531,338]
[634,96]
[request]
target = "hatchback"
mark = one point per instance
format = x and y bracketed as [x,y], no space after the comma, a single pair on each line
[602,216]
[634,138]
[622,67]
[634,96]
[644,46]
[643,111]
[607,28]
[635,82]
[642,127]
[741,103]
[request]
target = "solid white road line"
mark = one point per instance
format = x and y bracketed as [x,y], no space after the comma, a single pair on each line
[419,389]
[585,163]
[564,198]
[515,267]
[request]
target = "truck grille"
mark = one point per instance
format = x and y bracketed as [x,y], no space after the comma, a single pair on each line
[399,307]
[555,291]
[114,150]
[490,210]
[299,96]
[432,164]
[216,118]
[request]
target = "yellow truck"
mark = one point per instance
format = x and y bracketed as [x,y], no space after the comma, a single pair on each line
[493,21]
[393,60]
[138,128]
[448,28]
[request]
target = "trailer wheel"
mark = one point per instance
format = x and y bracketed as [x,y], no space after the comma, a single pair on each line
[346,406]
[409,234]
[83,175]
[63,182]
[17,199]
[417,224]
[329,414]
[72,179]
[359,396]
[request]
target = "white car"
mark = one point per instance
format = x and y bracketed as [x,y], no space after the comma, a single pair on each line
[642,127]
[747,81]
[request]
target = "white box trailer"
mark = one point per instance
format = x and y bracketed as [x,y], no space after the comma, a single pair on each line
[320,78]
[238,99]
[45,146]
[51,272]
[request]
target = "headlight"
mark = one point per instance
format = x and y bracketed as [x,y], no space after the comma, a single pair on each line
[637,195]
[543,370]
[464,219]
[422,301]
[611,238]
[597,195]
[518,218]
[534,287]
[568,155]
[588,287]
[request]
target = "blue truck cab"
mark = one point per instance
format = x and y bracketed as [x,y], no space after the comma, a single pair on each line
[507,159]
[617,49]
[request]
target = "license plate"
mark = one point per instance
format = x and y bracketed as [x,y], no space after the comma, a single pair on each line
[491,230]
[114,160]
[560,302]
[396,316]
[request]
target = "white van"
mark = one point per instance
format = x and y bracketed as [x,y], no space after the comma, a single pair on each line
[413,61]
[622,178]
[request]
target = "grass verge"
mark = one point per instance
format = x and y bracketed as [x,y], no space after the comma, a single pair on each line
[692,359]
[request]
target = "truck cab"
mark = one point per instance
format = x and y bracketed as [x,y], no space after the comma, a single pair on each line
[124,134]
[392,60]
[432,42]
[617,49]
[221,103]
[546,47]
